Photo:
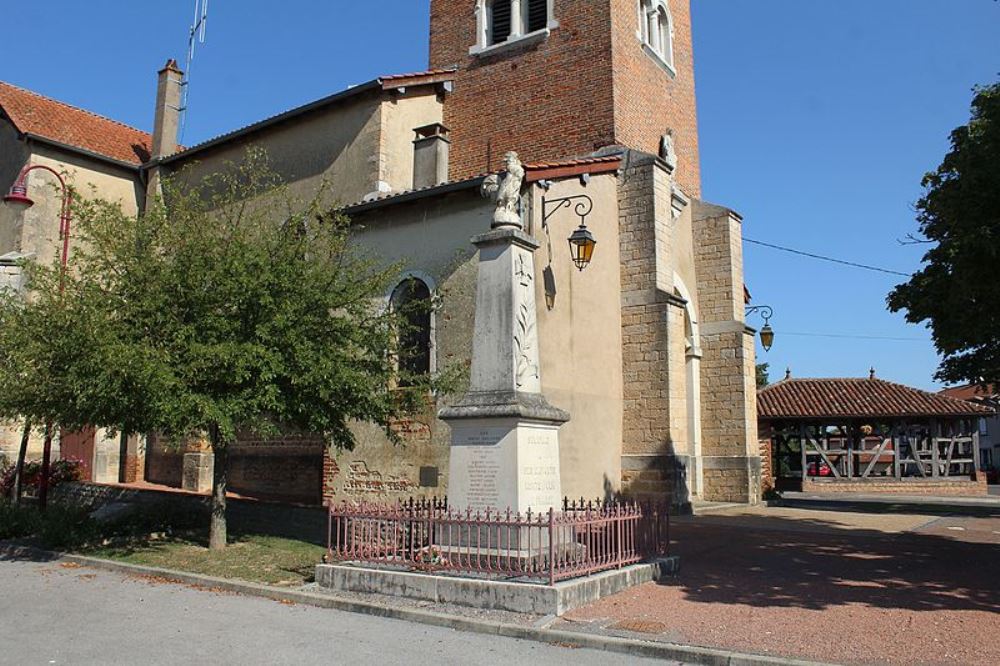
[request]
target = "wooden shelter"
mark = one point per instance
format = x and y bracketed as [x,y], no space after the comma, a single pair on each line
[867,435]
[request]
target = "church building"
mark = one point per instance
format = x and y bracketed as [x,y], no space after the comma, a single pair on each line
[646,348]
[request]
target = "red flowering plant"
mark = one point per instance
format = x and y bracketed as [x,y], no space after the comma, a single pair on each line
[60,471]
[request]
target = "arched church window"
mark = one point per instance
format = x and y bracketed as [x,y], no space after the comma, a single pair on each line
[411,301]
[656,29]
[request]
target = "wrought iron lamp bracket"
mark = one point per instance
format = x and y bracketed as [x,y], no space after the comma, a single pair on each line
[766,312]
[581,204]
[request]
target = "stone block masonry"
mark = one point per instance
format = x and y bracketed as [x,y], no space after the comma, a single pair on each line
[652,368]
[731,462]
[916,486]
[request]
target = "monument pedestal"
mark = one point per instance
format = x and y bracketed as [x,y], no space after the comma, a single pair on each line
[504,453]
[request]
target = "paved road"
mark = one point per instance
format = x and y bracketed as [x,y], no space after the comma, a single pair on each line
[53,613]
[905,589]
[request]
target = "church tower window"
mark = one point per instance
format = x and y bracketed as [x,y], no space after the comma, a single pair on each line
[656,29]
[509,21]
[500,21]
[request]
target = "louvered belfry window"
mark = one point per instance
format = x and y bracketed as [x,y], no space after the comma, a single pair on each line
[538,15]
[500,21]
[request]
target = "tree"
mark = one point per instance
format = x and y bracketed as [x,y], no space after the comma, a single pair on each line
[228,308]
[763,375]
[43,339]
[957,291]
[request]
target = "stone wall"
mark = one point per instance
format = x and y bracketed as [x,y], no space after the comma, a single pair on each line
[929,487]
[307,523]
[652,357]
[731,456]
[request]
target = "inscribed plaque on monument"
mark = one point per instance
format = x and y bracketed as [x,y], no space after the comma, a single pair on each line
[483,459]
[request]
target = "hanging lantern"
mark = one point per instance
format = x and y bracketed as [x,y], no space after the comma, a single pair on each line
[581,246]
[767,337]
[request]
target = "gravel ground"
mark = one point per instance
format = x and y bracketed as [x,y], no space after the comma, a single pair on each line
[894,589]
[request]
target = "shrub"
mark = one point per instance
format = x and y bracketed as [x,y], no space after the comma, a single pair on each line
[60,471]
[17,521]
[65,527]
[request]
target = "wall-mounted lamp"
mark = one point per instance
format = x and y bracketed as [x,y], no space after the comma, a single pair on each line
[581,242]
[766,333]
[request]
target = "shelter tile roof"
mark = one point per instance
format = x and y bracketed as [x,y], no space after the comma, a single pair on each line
[46,118]
[856,398]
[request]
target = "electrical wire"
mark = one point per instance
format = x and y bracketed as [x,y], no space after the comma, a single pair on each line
[823,258]
[849,336]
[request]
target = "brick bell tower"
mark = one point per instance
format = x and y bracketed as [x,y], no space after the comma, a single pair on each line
[555,79]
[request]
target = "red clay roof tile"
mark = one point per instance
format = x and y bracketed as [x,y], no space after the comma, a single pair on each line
[853,397]
[32,113]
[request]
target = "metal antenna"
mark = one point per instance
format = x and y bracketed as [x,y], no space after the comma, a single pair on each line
[195,35]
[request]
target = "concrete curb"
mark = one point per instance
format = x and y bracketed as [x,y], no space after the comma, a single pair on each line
[638,648]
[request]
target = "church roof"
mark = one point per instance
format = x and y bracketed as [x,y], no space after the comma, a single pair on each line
[51,121]
[533,172]
[856,398]
[382,84]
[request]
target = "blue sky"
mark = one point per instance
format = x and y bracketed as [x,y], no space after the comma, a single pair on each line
[817,121]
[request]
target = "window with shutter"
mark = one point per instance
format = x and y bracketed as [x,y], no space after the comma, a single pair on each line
[500,21]
[538,15]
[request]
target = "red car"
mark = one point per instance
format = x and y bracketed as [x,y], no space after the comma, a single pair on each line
[824,469]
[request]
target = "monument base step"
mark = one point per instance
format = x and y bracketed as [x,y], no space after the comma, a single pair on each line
[518,597]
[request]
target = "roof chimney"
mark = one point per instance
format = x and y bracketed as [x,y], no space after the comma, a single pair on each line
[788,373]
[871,372]
[430,155]
[168,109]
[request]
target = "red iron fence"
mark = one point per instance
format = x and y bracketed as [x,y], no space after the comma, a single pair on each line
[582,539]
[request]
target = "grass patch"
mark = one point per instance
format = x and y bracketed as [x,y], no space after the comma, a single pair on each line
[251,557]
[162,536]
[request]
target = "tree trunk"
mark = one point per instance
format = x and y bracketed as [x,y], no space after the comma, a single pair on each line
[22,453]
[43,482]
[123,457]
[217,528]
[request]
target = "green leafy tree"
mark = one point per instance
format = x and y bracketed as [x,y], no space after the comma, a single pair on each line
[43,341]
[957,291]
[229,308]
[763,374]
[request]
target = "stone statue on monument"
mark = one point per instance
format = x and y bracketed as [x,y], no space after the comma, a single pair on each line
[505,189]
[667,152]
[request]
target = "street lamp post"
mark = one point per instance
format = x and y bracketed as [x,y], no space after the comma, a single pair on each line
[18,196]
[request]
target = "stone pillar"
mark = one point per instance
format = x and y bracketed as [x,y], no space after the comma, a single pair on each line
[505,434]
[655,451]
[731,457]
[198,469]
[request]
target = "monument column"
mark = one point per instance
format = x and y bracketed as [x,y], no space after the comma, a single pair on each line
[505,434]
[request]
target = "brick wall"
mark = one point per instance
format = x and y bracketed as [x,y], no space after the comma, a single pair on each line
[588,85]
[547,101]
[648,100]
